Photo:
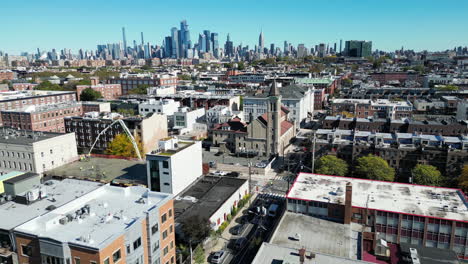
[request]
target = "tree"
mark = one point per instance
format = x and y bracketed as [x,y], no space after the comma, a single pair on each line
[141,89]
[347,82]
[448,87]
[374,168]
[195,229]
[240,66]
[122,146]
[331,165]
[89,94]
[48,86]
[463,179]
[426,175]
[185,77]
[199,255]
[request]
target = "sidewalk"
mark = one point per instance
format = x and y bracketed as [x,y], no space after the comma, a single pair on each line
[223,240]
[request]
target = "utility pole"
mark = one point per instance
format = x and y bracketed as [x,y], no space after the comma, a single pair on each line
[313,153]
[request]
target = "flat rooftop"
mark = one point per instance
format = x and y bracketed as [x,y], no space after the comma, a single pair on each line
[16,95]
[317,235]
[104,170]
[275,254]
[58,194]
[205,197]
[111,211]
[402,198]
[24,137]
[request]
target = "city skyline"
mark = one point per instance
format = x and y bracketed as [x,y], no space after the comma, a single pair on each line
[389,30]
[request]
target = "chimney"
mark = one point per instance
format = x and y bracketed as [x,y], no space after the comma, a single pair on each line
[348,203]
[302,253]
[94,81]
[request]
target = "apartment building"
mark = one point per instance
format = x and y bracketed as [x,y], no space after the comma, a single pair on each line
[88,222]
[36,152]
[23,86]
[13,100]
[393,212]
[132,81]
[7,75]
[149,130]
[402,151]
[380,108]
[174,165]
[46,118]
[100,107]
[108,91]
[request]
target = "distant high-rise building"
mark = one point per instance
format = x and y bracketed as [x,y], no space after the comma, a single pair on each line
[142,39]
[334,47]
[286,46]
[184,38]
[202,43]
[301,51]
[261,42]
[208,41]
[175,43]
[168,47]
[229,47]
[214,42]
[124,41]
[358,48]
[272,48]
[341,46]
[322,50]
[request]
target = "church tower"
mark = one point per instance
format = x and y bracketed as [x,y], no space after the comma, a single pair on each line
[274,120]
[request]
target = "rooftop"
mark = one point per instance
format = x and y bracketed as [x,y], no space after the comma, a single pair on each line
[437,202]
[275,254]
[15,95]
[104,170]
[316,235]
[111,211]
[205,197]
[58,194]
[45,108]
[24,137]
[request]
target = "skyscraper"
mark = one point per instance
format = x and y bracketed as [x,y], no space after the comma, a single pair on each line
[214,42]
[358,48]
[184,39]
[261,42]
[175,43]
[124,41]
[229,47]
[142,40]
[208,41]
[202,43]
[168,47]
[341,45]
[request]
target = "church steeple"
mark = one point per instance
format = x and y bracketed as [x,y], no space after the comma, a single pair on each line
[274,89]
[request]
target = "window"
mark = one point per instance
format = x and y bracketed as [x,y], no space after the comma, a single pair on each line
[163,218]
[165,164]
[106,261]
[170,212]
[26,250]
[165,234]
[137,243]
[165,251]
[92,262]
[116,256]
[154,229]
[156,246]
[128,249]
[171,229]
[172,244]
[77,260]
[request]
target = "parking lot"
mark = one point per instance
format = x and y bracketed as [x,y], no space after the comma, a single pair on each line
[229,159]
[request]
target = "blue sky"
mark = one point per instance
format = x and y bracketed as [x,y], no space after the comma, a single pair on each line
[390,24]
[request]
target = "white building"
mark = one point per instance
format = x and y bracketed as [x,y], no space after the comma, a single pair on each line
[161,90]
[175,166]
[165,106]
[221,114]
[298,99]
[462,110]
[35,152]
[185,118]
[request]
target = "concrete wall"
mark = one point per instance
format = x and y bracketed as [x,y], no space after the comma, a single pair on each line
[57,151]
[153,129]
[226,208]
[186,167]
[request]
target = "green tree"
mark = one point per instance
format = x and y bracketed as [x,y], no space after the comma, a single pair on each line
[185,77]
[199,255]
[141,89]
[448,87]
[374,168]
[347,82]
[463,179]
[89,94]
[240,66]
[48,86]
[331,165]
[426,175]
[122,146]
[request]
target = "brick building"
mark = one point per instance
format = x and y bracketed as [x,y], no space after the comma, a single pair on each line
[19,99]
[386,77]
[108,91]
[46,118]
[394,212]
[23,86]
[380,108]
[132,81]
[7,75]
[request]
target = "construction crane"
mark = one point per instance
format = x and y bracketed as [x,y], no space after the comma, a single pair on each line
[126,130]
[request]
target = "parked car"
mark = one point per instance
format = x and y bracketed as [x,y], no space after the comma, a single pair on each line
[220,173]
[238,229]
[218,257]
[212,164]
[240,243]
[233,174]
[261,165]
[297,149]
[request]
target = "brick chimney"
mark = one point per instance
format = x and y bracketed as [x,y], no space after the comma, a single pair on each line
[94,81]
[302,253]
[348,203]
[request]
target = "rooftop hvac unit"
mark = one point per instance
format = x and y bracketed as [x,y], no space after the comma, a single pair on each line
[445,208]
[63,220]
[455,209]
